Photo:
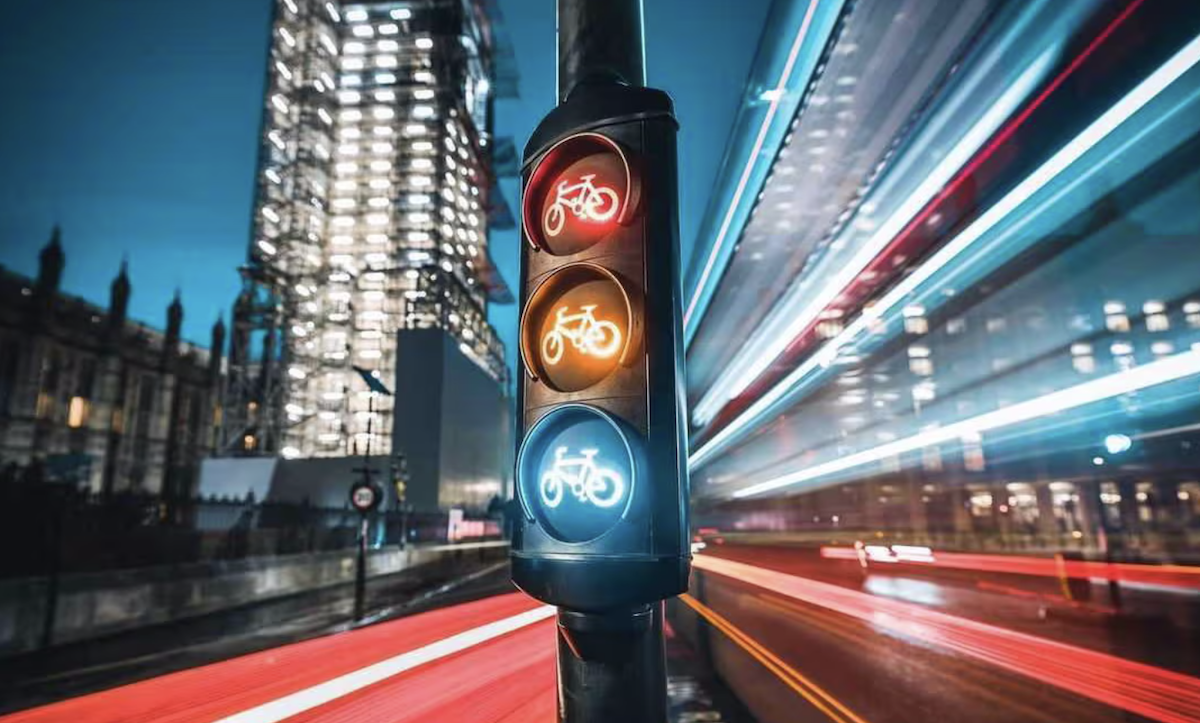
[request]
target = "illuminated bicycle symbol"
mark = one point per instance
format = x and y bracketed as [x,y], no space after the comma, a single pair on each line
[588,481]
[586,333]
[585,199]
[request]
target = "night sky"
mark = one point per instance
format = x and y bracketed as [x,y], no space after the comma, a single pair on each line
[133,124]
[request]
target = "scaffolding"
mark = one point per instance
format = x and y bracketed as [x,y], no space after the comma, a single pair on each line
[371,216]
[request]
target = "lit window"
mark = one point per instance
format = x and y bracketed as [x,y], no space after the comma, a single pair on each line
[422,111]
[420,180]
[363,31]
[379,202]
[351,115]
[1162,348]
[389,29]
[383,113]
[1156,316]
[921,367]
[349,96]
[346,167]
[77,412]
[421,146]
[388,46]
[354,48]
[385,78]
[423,94]
[416,129]
[343,221]
[377,238]
[385,96]
[1191,310]
[423,76]
[379,183]
[422,163]
[356,15]
[353,63]
[381,166]
[344,203]
[342,240]
[424,43]
[385,61]
[350,132]
[377,219]
[401,14]
[418,218]
[348,149]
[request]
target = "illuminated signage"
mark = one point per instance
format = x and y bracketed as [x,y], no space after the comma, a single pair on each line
[576,472]
[584,200]
[580,192]
[584,331]
[576,327]
[589,482]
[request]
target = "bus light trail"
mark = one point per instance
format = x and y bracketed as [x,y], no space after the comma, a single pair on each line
[1183,577]
[1144,690]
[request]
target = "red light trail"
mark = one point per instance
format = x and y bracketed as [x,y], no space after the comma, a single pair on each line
[245,686]
[1167,576]
[1144,690]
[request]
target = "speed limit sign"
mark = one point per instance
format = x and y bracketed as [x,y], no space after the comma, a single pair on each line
[365,496]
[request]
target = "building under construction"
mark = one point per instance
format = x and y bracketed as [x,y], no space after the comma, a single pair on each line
[375,193]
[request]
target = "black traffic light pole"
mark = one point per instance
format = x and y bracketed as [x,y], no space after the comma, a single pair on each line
[600,41]
[611,664]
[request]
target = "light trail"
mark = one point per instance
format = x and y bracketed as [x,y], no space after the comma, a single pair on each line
[776,95]
[768,343]
[510,679]
[220,690]
[817,696]
[1153,374]
[1144,690]
[342,686]
[1182,577]
[711,403]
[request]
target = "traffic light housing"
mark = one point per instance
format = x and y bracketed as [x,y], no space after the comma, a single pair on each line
[602,465]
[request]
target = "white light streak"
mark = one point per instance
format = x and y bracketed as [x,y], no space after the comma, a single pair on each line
[1113,385]
[770,341]
[1118,114]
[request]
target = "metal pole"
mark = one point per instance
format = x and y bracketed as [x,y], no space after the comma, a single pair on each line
[611,663]
[360,570]
[600,41]
[611,666]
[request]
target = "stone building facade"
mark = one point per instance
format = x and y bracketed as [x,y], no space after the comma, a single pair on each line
[91,398]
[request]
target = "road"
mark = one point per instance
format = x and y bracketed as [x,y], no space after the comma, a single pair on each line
[800,637]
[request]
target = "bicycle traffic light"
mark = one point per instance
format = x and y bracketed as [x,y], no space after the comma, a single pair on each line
[601,467]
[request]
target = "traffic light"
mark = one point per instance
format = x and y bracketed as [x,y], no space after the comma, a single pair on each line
[601,467]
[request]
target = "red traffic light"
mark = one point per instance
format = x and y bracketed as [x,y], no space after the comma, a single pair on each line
[583,187]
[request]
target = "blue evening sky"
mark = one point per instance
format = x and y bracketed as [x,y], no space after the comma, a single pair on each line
[133,124]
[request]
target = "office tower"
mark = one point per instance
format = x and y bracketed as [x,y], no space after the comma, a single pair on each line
[371,218]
